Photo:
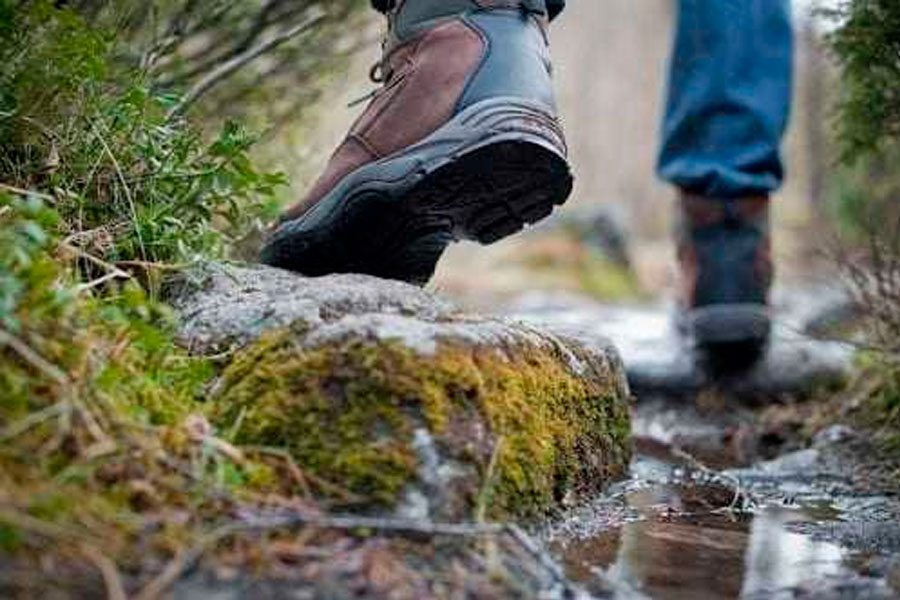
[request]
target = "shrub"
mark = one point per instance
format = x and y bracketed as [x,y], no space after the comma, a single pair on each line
[100,412]
[867,45]
[130,183]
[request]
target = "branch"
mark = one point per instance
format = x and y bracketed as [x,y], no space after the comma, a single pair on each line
[32,421]
[22,192]
[33,358]
[350,523]
[227,69]
[186,559]
[115,590]
[113,272]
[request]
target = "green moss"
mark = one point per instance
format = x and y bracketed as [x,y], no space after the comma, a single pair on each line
[347,413]
[10,538]
[94,398]
[878,409]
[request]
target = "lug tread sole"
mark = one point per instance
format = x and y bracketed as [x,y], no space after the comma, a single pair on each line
[400,232]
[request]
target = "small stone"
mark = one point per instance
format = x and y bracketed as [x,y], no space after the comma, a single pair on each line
[834,434]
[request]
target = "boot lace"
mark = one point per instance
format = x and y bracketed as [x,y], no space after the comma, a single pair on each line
[381,72]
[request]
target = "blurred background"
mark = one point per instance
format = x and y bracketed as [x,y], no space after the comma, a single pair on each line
[610,62]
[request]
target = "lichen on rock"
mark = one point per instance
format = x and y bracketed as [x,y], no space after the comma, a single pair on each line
[403,403]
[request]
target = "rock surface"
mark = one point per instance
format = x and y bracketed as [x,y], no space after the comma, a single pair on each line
[661,363]
[393,394]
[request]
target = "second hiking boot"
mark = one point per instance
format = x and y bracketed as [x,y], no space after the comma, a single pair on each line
[461,142]
[724,252]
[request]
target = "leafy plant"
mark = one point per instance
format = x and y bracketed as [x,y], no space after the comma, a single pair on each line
[867,45]
[103,440]
[130,182]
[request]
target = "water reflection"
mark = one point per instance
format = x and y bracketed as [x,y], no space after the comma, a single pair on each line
[680,547]
[779,561]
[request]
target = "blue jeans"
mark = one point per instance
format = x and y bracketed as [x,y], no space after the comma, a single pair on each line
[729,97]
[730,81]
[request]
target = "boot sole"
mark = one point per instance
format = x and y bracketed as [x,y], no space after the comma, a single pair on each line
[484,176]
[731,336]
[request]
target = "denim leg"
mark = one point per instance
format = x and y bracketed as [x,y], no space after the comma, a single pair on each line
[729,97]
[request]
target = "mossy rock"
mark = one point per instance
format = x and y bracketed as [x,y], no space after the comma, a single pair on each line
[402,404]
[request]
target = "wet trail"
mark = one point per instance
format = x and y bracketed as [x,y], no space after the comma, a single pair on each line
[714,509]
[678,530]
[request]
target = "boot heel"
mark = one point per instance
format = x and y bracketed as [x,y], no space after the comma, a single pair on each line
[496,190]
[414,256]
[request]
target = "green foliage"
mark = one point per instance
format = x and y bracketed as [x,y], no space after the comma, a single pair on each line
[866,197]
[98,187]
[57,339]
[867,201]
[95,403]
[130,183]
[877,409]
[27,273]
[867,45]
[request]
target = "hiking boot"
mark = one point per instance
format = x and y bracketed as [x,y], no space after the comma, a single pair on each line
[462,141]
[724,252]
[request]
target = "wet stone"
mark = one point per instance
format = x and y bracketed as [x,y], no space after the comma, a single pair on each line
[407,408]
[861,536]
[660,362]
[413,405]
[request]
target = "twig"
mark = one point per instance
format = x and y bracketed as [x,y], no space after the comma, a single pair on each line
[292,467]
[128,196]
[87,256]
[91,423]
[45,131]
[310,478]
[525,541]
[143,264]
[350,523]
[26,522]
[33,358]
[228,68]
[21,192]
[108,570]
[83,237]
[488,484]
[113,271]
[84,287]
[730,480]
[173,571]
[186,559]
[32,421]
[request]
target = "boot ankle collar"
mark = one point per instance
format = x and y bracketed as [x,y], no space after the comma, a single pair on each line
[700,211]
[538,7]
[535,7]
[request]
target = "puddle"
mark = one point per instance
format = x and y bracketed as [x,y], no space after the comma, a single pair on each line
[660,362]
[667,534]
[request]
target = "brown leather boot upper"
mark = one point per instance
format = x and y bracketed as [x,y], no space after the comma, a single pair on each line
[724,251]
[425,72]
